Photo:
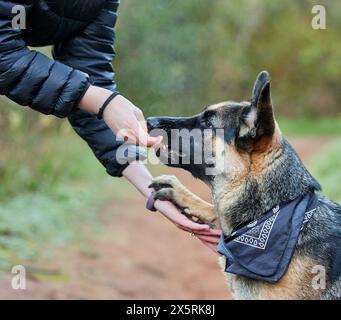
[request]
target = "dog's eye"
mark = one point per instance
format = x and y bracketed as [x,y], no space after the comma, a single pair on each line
[207,123]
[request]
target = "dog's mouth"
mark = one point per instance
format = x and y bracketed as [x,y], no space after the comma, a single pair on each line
[173,149]
[166,149]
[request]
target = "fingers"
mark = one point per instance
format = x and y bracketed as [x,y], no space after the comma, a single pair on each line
[183,228]
[174,215]
[141,136]
[154,142]
[210,239]
[141,132]
[128,123]
[140,117]
[210,232]
[188,224]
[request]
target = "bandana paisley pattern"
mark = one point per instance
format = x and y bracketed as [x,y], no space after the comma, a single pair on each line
[258,236]
[262,250]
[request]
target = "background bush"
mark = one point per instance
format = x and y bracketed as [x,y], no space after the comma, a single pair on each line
[176,56]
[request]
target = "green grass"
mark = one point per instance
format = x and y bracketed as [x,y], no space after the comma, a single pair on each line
[326,167]
[310,127]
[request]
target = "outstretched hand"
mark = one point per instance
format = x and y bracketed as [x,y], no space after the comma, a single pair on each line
[125,120]
[208,236]
[128,123]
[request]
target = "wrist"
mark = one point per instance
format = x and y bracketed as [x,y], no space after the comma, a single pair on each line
[115,103]
[94,99]
[150,205]
[106,104]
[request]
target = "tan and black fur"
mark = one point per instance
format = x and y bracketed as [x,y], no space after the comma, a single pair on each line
[261,170]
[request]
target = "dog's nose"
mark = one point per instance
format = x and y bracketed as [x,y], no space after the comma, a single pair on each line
[152,123]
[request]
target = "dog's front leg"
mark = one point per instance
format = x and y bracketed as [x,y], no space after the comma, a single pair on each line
[170,188]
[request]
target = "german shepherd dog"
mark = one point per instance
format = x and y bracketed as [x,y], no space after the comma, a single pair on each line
[261,171]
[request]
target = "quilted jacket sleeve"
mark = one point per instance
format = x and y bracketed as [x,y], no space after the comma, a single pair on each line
[30,78]
[92,52]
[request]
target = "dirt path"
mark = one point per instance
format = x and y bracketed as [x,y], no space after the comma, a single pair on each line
[139,255]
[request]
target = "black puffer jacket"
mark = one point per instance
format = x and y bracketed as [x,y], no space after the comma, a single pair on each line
[82,35]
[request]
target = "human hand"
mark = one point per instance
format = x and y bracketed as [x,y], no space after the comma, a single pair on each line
[208,236]
[128,122]
[122,117]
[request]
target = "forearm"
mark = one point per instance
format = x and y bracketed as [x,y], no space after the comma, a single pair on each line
[140,177]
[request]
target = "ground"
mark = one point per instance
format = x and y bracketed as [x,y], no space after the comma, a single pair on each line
[137,255]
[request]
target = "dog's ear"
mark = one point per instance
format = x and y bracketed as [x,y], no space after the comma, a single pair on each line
[258,119]
[261,100]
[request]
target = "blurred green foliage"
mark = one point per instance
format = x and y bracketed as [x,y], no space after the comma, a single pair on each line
[310,126]
[326,168]
[174,56]
[51,185]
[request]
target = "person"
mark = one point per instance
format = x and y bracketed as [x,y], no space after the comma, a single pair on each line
[78,84]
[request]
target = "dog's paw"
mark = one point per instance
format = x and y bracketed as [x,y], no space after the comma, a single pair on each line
[165,181]
[168,188]
[170,194]
[166,194]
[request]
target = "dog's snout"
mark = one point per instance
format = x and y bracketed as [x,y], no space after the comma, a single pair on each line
[152,123]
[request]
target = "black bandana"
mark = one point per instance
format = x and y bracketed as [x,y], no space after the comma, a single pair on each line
[263,249]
